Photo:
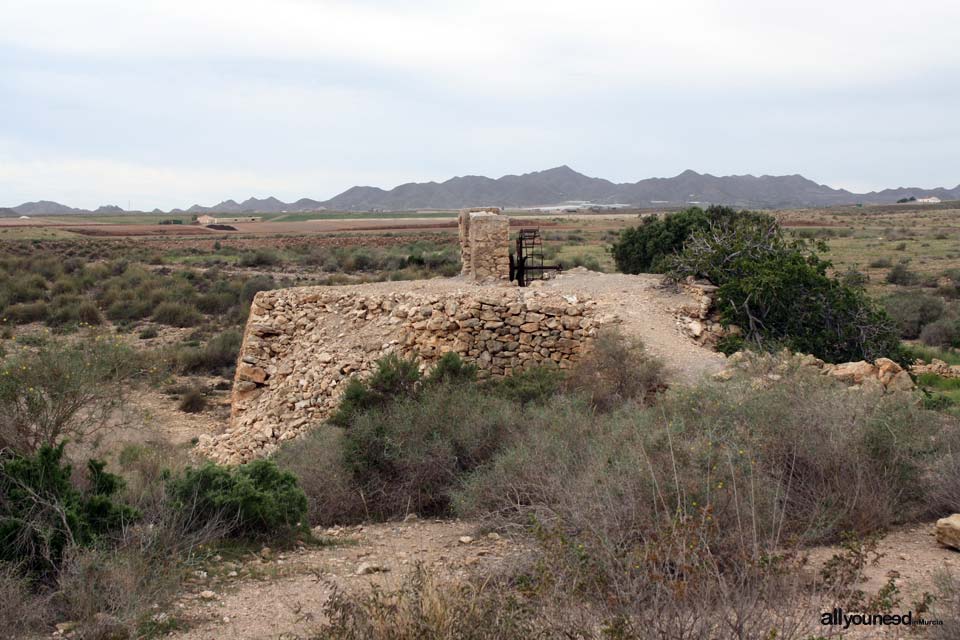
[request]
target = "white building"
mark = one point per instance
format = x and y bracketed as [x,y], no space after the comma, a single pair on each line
[206,219]
[930,200]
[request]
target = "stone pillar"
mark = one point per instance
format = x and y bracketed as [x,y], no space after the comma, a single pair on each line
[484,243]
[489,237]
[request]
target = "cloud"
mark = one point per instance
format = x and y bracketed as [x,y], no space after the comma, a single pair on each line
[175,101]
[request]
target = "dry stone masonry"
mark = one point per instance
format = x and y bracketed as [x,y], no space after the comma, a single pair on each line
[301,345]
[484,244]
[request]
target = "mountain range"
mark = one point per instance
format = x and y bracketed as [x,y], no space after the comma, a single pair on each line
[555,186]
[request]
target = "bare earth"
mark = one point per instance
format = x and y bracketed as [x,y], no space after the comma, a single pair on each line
[649,311]
[283,595]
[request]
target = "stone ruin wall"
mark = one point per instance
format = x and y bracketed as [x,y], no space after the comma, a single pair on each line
[301,346]
[484,244]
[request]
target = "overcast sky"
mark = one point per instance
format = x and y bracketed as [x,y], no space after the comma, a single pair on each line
[167,103]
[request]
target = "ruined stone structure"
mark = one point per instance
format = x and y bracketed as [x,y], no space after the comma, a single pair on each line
[484,244]
[301,345]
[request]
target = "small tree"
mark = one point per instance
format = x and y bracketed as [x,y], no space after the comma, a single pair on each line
[61,392]
[779,292]
[646,249]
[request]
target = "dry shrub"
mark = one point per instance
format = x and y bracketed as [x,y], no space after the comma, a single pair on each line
[422,607]
[946,607]
[617,369]
[333,496]
[22,611]
[685,508]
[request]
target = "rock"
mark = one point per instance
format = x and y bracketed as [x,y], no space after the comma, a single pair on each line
[901,382]
[107,627]
[465,540]
[948,531]
[63,628]
[723,375]
[493,536]
[207,595]
[251,373]
[696,328]
[366,568]
[853,372]
[886,365]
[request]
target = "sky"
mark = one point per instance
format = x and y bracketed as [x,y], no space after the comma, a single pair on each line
[168,103]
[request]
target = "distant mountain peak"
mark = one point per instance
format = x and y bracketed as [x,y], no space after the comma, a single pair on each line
[557,185]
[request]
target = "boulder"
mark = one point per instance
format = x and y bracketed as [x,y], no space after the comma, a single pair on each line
[948,531]
[854,372]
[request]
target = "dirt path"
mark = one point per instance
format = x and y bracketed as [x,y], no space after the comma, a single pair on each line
[274,595]
[646,310]
[283,594]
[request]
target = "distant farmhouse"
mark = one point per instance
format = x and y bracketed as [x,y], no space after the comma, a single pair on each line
[205,219]
[930,200]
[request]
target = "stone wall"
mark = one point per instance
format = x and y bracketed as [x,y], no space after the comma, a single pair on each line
[484,244]
[301,345]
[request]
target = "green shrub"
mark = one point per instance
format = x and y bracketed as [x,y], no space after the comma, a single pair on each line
[913,310]
[255,285]
[259,258]
[529,385]
[451,369]
[941,333]
[176,314]
[394,378]
[253,500]
[42,513]
[779,292]
[89,314]
[129,309]
[643,249]
[901,274]
[26,312]
[218,355]
[193,401]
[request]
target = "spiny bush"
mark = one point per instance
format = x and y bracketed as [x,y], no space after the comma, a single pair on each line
[42,514]
[333,495]
[406,456]
[817,462]
[24,612]
[779,292]
[253,499]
